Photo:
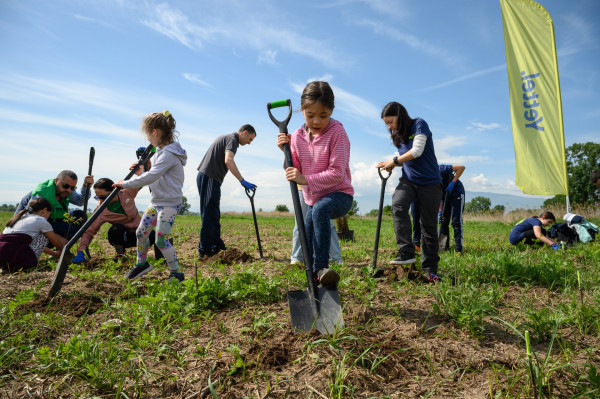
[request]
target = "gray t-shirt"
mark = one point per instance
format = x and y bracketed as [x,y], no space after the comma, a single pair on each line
[213,163]
[30,224]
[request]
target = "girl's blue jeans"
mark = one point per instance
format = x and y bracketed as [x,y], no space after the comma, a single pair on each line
[317,223]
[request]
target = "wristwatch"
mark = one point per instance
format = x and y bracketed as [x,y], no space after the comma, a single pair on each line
[396,161]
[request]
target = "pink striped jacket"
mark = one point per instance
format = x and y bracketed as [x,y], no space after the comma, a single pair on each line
[324,161]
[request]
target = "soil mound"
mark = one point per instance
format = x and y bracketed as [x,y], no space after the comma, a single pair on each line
[230,256]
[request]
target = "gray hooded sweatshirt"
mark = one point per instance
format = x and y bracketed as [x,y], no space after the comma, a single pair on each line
[165,176]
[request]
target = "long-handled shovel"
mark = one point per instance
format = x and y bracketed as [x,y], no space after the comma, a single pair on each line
[67,257]
[379,214]
[254,215]
[317,307]
[87,193]
[443,238]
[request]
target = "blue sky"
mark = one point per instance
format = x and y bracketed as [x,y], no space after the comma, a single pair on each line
[76,74]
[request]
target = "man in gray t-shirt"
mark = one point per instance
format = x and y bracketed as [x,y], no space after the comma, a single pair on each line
[217,161]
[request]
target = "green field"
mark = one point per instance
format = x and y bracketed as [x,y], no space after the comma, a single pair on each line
[225,332]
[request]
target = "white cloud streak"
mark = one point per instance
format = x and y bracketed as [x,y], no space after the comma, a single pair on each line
[196,79]
[410,40]
[244,26]
[470,76]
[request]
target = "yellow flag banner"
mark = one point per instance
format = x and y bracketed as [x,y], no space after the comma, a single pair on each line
[535,103]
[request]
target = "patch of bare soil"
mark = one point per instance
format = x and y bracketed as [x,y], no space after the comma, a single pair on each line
[394,345]
[74,305]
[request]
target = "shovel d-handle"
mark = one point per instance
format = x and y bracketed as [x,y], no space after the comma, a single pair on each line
[64,261]
[251,196]
[379,214]
[308,260]
[282,125]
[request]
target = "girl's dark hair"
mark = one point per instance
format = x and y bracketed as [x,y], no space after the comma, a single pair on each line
[34,205]
[104,184]
[164,122]
[317,92]
[402,132]
[547,215]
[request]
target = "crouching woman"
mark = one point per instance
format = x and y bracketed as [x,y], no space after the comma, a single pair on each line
[531,229]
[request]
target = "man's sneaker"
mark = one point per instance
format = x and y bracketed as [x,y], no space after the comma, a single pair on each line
[327,277]
[402,260]
[428,278]
[138,271]
[295,261]
[175,276]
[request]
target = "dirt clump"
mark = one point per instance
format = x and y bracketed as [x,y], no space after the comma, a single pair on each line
[231,256]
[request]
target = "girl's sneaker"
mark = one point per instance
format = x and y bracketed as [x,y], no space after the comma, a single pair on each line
[138,271]
[175,276]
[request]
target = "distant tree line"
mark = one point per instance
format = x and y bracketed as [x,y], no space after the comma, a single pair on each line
[8,208]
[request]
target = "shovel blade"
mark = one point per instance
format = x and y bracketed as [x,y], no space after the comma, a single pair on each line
[303,315]
[61,271]
[442,241]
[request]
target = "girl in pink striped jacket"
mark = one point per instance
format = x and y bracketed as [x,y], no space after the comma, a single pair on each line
[321,163]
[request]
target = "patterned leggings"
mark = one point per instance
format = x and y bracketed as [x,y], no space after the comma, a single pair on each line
[161,218]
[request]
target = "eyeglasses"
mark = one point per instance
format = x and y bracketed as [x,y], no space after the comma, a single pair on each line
[100,197]
[68,186]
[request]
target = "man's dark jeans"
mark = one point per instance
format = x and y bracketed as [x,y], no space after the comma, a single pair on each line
[210,212]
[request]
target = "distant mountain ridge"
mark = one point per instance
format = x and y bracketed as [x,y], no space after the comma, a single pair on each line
[509,201]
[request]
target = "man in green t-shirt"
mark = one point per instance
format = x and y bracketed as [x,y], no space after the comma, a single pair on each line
[61,192]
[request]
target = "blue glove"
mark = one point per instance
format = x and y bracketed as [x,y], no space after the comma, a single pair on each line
[450,187]
[139,152]
[248,185]
[79,258]
[555,246]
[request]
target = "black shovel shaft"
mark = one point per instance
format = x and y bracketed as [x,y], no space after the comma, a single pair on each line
[379,214]
[308,260]
[254,216]
[86,196]
[445,205]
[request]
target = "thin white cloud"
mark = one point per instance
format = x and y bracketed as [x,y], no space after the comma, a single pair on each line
[578,36]
[268,57]
[94,21]
[350,105]
[244,26]
[25,89]
[394,9]
[77,125]
[410,40]
[174,24]
[473,75]
[481,127]
[196,79]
